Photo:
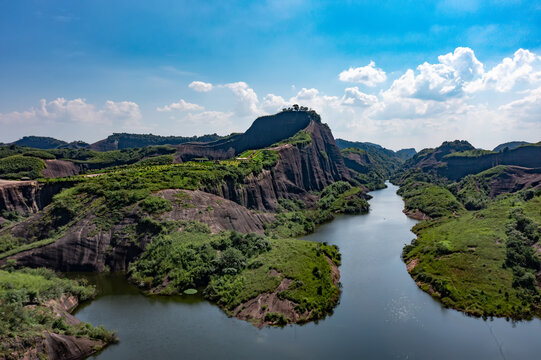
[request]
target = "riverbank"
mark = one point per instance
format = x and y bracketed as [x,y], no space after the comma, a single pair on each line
[483,263]
[382,314]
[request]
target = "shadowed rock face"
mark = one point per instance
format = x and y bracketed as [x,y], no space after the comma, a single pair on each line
[299,170]
[514,178]
[264,132]
[526,156]
[84,247]
[27,197]
[455,168]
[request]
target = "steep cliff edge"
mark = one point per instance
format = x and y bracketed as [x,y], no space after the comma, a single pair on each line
[264,132]
[457,159]
[301,167]
[26,197]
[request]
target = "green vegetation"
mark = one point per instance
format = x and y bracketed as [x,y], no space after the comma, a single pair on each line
[372,163]
[155,205]
[341,197]
[25,310]
[19,166]
[469,153]
[300,139]
[295,219]
[232,268]
[482,262]
[432,200]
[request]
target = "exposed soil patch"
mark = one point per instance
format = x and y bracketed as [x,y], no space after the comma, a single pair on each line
[59,168]
[412,264]
[254,310]
[416,214]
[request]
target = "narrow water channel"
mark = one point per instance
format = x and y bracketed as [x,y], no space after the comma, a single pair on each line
[382,314]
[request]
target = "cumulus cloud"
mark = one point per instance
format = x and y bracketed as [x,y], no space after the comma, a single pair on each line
[525,67]
[201,86]
[75,111]
[440,81]
[528,108]
[355,97]
[368,75]
[181,105]
[69,116]
[273,103]
[247,101]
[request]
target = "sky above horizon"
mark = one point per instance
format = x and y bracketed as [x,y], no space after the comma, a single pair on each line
[397,73]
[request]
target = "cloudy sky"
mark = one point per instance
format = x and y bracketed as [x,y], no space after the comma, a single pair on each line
[398,73]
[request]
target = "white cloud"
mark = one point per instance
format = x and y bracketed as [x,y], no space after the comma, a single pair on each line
[368,75]
[357,98]
[528,108]
[69,116]
[440,81]
[181,105]
[273,103]
[201,86]
[524,67]
[247,101]
[75,111]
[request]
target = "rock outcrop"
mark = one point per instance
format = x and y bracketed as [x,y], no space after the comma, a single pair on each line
[264,132]
[87,247]
[299,170]
[440,161]
[27,197]
[60,168]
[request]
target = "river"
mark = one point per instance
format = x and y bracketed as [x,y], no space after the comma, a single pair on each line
[382,313]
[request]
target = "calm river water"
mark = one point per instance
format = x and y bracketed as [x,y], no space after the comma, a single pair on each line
[382,314]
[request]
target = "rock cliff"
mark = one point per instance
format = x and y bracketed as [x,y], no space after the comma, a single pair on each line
[26,197]
[86,247]
[301,168]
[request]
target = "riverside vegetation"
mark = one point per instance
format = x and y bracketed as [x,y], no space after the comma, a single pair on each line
[125,199]
[478,250]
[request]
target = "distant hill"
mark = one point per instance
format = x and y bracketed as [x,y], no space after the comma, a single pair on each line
[511,145]
[406,154]
[119,141]
[40,142]
[456,159]
[75,145]
[372,163]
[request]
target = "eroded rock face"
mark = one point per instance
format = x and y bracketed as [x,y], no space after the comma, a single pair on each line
[527,156]
[63,347]
[515,178]
[86,247]
[264,132]
[27,197]
[218,213]
[299,170]
[60,168]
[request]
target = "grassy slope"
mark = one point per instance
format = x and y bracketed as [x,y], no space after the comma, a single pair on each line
[233,268]
[463,258]
[21,325]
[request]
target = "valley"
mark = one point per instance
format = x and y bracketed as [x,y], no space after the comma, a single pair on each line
[227,220]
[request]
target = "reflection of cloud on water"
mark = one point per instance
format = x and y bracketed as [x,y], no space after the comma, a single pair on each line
[401,309]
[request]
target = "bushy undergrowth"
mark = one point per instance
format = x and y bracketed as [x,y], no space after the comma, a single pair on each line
[19,166]
[24,313]
[482,262]
[432,200]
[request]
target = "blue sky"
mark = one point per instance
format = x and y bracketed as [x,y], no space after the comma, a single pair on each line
[83,69]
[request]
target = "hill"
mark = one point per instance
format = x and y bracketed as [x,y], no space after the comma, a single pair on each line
[40,142]
[510,145]
[119,141]
[455,159]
